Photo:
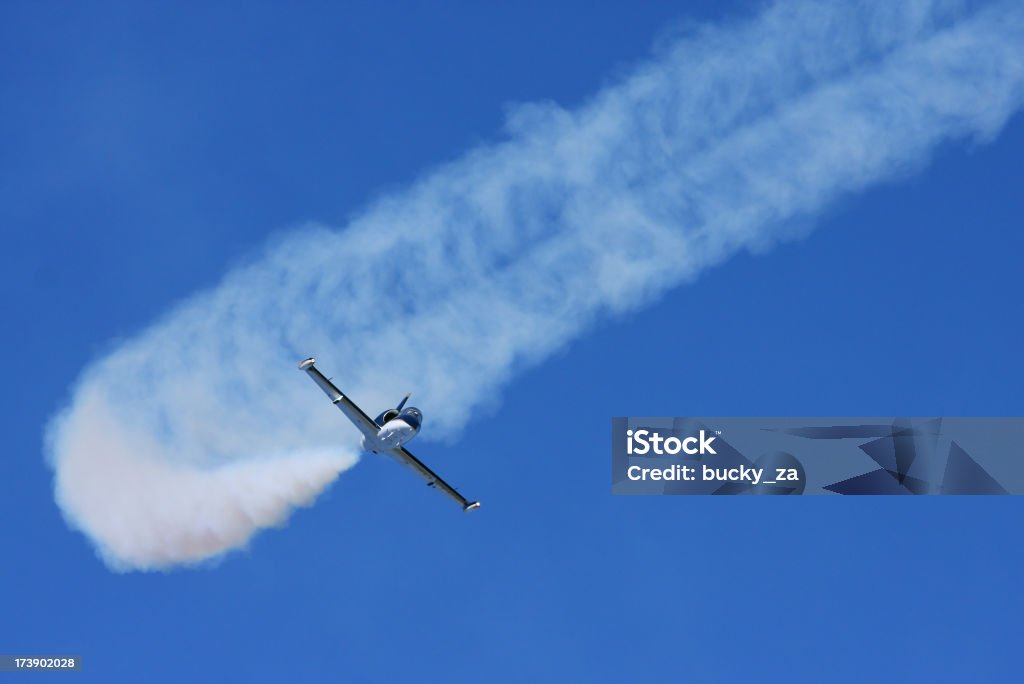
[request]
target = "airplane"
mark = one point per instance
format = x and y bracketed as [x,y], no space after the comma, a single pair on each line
[387,433]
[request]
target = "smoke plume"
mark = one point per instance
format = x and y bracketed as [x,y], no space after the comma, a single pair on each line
[185,440]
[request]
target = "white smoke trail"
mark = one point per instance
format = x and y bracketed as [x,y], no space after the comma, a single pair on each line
[187,439]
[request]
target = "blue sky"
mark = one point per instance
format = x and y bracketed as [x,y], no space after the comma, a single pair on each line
[150,150]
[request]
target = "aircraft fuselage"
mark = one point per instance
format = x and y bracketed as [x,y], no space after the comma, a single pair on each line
[397,427]
[394,433]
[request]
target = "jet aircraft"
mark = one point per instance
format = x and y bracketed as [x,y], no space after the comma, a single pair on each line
[387,433]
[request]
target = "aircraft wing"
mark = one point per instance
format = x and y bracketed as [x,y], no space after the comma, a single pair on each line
[344,404]
[404,456]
